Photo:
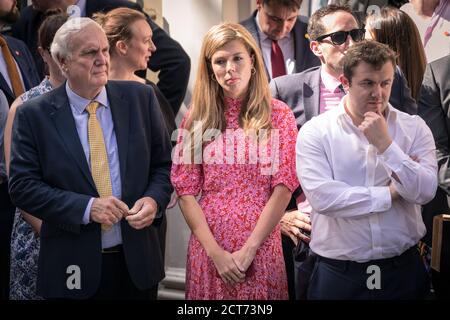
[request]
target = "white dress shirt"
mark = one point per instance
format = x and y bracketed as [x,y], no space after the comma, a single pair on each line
[286,45]
[346,183]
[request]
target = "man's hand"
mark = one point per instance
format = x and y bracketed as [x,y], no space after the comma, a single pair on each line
[375,129]
[108,210]
[293,223]
[143,213]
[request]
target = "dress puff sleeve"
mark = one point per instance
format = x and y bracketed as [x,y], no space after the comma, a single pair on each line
[283,119]
[186,177]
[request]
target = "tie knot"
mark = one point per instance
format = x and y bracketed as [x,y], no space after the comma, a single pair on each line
[92,107]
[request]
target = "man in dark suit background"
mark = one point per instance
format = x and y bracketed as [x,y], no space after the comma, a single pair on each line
[23,78]
[170,59]
[434,106]
[19,51]
[318,89]
[276,26]
[92,160]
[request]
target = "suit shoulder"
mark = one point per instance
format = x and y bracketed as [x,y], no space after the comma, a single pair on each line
[124,86]
[287,80]
[441,66]
[39,103]
[14,42]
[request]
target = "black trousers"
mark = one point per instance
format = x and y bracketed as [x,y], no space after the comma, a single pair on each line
[6,220]
[116,282]
[401,277]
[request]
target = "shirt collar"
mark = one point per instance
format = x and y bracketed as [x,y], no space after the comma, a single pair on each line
[264,36]
[330,82]
[80,103]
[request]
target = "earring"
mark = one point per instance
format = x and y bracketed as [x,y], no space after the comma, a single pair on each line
[213,77]
[253,71]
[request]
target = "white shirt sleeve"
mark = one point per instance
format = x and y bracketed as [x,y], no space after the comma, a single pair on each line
[326,195]
[417,179]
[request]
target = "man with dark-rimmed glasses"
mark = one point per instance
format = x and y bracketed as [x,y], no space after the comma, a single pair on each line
[332,30]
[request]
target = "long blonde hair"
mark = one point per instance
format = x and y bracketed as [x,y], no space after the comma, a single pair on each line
[208,107]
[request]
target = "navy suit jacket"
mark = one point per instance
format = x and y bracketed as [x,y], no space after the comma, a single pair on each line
[301,92]
[304,58]
[170,59]
[50,178]
[26,65]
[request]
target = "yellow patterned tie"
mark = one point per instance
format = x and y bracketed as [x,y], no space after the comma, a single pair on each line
[99,158]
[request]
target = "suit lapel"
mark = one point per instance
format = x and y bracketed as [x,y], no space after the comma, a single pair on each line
[121,117]
[22,63]
[311,94]
[65,124]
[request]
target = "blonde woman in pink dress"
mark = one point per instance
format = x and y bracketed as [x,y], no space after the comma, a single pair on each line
[234,172]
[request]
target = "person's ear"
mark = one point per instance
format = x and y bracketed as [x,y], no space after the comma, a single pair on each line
[121,47]
[316,48]
[345,82]
[259,4]
[62,62]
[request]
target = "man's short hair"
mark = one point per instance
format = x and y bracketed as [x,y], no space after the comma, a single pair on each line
[315,26]
[62,42]
[292,4]
[371,52]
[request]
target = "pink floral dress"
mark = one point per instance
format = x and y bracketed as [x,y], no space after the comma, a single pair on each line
[234,189]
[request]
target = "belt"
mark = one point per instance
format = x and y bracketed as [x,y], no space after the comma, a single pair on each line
[405,257]
[115,249]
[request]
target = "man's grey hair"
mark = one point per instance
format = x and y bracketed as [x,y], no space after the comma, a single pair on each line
[62,45]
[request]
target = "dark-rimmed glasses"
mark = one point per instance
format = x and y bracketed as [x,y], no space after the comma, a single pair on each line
[339,37]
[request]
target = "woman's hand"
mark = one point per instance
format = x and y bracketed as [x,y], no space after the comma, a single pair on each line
[243,258]
[227,268]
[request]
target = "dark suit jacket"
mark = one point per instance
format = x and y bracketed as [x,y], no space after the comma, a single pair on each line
[304,58]
[50,178]
[26,65]
[301,92]
[170,59]
[434,108]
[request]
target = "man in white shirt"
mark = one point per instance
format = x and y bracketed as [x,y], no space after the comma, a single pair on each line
[332,29]
[366,168]
[282,36]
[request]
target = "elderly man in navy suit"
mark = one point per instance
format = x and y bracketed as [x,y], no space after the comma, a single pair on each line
[91,159]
